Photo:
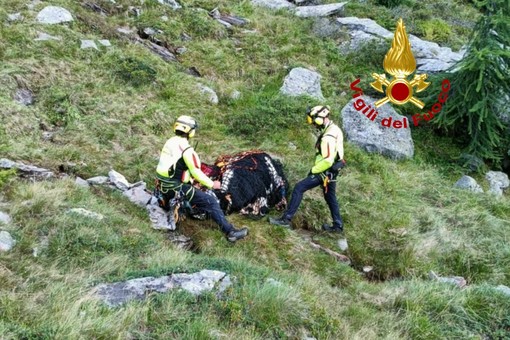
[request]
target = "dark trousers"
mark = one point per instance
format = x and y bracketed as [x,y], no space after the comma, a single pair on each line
[311,182]
[204,202]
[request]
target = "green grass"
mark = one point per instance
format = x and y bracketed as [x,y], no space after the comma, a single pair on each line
[401,218]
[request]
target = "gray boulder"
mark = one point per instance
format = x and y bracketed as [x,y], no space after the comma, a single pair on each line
[498,181]
[430,57]
[54,15]
[208,93]
[468,183]
[138,195]
[160,219]
[81,182]
[27,171]
[172,3]
[320,10]
[301,81]
[6,241]
[118,180]
[24,96]
[4,218]
[273,4]
[372,137]
[116,294]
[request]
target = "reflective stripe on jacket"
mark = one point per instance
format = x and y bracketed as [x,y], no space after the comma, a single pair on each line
[330,148]
[179,161]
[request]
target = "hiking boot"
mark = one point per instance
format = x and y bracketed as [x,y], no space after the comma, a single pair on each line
[282,221]
[333,229]
[237,234]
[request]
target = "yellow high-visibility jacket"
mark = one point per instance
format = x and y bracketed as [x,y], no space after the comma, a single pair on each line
[329,148]
[179,161]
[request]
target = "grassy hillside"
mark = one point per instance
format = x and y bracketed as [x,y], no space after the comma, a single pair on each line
[401,218]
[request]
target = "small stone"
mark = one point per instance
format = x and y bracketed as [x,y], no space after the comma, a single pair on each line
[32,4]
[105,43]
[292,146]
[54,15]
[81,182]
[209,93]
[164,18]
[98,180]
[181,50]
[367,269]
[4,218]
[398,231]
[235,95]
[24,97]
[160,219]
[468,183]
[149,31]
[136,11]
[503,289]
[88,44]
[342,244]
[86,213]
[47,135]
[14,17]
[185,37]
[6,241]
[172,3]
[45,36]
[125,30]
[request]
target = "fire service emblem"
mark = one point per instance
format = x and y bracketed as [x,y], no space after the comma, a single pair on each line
[400,63]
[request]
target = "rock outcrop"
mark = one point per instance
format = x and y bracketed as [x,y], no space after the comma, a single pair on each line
[320,10]
[26,171]
[430,57]
[116,294]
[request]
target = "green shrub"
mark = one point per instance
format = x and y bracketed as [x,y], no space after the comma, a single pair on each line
[135,71]
[62,107]
[435,30]
[390,3]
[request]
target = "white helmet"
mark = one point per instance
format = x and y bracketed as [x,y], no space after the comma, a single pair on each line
[317,114]
[187,125]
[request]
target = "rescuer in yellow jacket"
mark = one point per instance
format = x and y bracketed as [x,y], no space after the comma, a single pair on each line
[328,161]
[179,166]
